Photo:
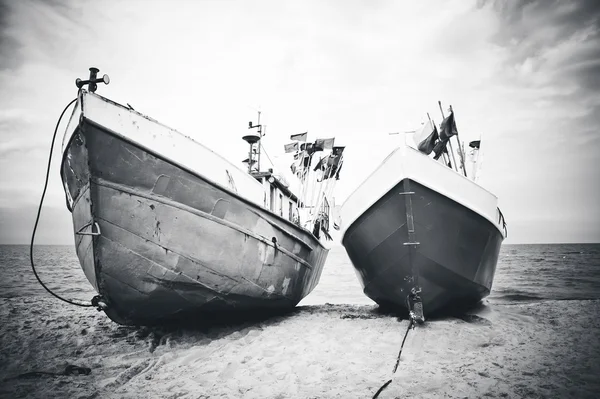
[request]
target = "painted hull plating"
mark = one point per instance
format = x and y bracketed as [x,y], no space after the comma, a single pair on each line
[171,244]
[454,260]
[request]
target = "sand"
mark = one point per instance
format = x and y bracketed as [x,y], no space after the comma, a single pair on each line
[534,350]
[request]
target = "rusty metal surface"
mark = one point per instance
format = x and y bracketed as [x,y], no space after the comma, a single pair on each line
[173,243]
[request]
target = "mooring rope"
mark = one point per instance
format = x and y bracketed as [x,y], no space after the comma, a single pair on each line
[411,325]
[37,219]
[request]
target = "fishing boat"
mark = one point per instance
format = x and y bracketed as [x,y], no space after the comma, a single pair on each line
[165,228]
[423,236]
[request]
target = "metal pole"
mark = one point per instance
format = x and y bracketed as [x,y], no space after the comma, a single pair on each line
[259,142]
[462,153]
[250,159]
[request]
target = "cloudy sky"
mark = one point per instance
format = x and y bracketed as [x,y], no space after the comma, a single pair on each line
[525,75]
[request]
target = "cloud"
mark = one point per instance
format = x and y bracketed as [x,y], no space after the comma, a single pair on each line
[8,42]
[561,38]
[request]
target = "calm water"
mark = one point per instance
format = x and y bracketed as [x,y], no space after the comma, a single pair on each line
[524,273]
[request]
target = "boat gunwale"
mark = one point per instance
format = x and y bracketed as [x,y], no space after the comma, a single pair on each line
[417,152]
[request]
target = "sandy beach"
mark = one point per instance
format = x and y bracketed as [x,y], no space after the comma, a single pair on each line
[545,349]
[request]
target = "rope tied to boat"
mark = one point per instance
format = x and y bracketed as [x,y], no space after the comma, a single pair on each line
[414,305]
[75,302]
[411,325]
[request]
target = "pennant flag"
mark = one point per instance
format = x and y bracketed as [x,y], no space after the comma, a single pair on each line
[427,145]
[475,144]
[448,127]
[311,148]
[299,136]
[306,161]
[440,148]
[325,143]
[422,134]
[300,168]
[306,147]
[337,151]
[292,147]
[333,162]
[322,162]
[337,174]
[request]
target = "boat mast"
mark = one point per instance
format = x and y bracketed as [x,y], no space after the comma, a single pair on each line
[460,148]
[251,139]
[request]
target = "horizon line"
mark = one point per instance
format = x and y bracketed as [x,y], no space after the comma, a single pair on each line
[337,244]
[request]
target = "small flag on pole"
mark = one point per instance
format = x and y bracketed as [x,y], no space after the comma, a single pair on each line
[425,138]
[325,143]
[428,145]
[299,136]
[292,147]
[448,127]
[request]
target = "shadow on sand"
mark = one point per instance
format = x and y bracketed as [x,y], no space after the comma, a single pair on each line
[223,324]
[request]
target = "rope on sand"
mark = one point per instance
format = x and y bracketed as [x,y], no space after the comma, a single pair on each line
[411,325]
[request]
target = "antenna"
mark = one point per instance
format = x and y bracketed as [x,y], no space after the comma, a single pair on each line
[252,139]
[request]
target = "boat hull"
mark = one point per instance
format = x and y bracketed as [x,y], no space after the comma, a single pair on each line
[451,250]
[159,242]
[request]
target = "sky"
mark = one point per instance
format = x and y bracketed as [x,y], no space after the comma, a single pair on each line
[522,75]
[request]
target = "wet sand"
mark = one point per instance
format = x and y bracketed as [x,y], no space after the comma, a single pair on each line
[534,350]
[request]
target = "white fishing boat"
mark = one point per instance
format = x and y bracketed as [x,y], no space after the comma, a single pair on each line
[422,234]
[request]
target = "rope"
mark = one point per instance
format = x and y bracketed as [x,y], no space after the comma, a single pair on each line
[262,147]
[410,325]
[37,219]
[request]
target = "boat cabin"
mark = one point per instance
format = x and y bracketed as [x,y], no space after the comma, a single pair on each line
[278,197]
[277,194]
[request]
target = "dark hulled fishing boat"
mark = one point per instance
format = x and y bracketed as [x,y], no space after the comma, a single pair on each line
[165,228]
[421,235]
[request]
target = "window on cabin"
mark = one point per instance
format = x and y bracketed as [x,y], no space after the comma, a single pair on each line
[272,198]
[280,204]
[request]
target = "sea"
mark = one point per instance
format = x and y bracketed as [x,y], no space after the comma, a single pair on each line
[525,272]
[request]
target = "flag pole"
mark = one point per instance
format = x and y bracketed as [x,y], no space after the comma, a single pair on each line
[460,149]
[446,162]
[449,143]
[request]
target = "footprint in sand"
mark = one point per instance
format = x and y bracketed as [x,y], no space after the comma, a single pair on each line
[134,370]
[474,319]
